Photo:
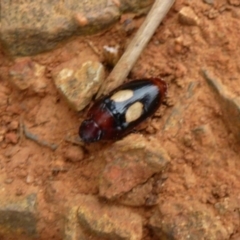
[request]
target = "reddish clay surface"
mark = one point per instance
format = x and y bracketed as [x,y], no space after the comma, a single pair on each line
[203,167]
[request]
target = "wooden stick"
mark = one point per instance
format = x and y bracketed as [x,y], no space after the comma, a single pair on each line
[158,11]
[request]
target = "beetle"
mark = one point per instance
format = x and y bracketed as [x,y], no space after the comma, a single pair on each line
[115,115]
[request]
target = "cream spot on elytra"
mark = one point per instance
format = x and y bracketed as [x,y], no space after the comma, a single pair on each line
[122,95]
[134,112]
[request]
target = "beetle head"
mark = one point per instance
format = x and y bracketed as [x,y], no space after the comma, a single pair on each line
[89,131]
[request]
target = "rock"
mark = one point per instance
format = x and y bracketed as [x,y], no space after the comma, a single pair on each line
[108,221]
[18,216]
[26,74]
[188,17]
[181,219]
[72,229]
[29,28]
[131,161]
[74,154]
[79,83]
[229,103]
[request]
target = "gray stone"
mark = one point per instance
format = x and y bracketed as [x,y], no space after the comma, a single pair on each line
[31,27]
[19,216]
[131,161]
[108,221]
[229,103]
[79,82]
[72,228]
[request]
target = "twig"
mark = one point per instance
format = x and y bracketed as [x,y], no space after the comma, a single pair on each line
[158,11]
[93,47]
[36,139]
[21,130]
[76,141]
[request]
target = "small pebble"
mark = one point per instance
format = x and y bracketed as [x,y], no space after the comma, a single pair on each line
[74,154]
[187,140]
[29,179]
[8,180]
[188,17]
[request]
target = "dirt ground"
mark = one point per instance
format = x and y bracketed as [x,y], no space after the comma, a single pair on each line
[204,168]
